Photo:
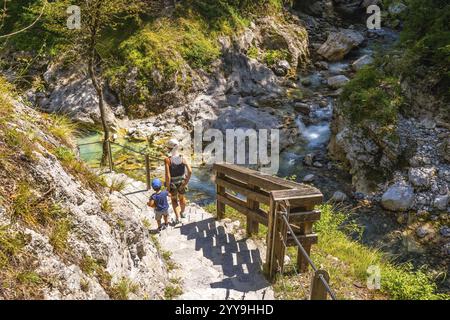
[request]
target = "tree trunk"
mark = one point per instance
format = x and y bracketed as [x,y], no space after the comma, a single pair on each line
[101,105]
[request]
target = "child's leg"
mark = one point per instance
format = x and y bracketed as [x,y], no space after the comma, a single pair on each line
[158,221]
[166,219]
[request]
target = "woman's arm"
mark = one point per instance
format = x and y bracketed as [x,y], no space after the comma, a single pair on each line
[189,172]
[167,170]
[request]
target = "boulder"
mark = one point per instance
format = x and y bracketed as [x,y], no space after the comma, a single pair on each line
[445,231]
[303,108]
[339,44]
[339,196]
[398,197]
[421,177]
[361,62]
[337,82]
[282,68]
[309,159]
[397,8]
[441,202]
[423,231]
[309,178]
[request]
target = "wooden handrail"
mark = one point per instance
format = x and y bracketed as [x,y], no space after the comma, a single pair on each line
[298,199]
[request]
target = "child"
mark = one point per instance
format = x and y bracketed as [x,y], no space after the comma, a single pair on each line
[159,202]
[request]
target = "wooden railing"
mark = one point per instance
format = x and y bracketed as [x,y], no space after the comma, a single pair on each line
[289,217]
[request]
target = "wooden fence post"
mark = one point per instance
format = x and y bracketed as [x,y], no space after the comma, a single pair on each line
[318,290]
[252,224]
[220,206]
[269,266]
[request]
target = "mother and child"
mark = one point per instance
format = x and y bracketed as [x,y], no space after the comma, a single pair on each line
[177,175]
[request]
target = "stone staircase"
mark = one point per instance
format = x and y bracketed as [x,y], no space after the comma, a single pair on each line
[214,261]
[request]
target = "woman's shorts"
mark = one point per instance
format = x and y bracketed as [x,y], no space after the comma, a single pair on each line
[177,188]
[160,214]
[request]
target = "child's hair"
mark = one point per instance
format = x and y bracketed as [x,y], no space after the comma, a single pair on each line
[157,189]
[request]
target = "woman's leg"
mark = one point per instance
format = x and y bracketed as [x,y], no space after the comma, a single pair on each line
[175,206]
[182,204]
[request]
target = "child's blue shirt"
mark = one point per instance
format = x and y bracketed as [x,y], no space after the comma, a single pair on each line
[161,201]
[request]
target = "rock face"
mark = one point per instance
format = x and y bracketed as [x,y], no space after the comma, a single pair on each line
[71,92]
[106,245]
[398,198]
[340,43]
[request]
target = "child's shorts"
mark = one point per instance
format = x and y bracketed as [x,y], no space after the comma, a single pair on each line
[160,214]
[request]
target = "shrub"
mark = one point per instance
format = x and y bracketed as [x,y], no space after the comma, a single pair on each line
[62,128]
[272,57]
[60,235]
[372,97]
[398,281]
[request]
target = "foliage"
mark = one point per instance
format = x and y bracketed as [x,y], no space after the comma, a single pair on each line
[62,128]
[372,96]
[122,289]
[272,57]
[60,235]
[398,281]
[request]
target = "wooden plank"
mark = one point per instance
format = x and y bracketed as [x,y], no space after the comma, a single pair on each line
[318,290]
[259,215]
[300,217]
[264,181]
[279,242]
[220,206]
[305,240]
[302,263]
[239,187]
[252,224]
[269,265]
[307,202]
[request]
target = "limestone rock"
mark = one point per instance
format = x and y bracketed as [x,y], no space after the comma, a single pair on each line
[421,177]
[441,202]
[337,82]
[398,198]
[361,62]
[339,196]
[340,43]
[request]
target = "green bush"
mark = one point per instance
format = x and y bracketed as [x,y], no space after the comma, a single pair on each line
[372,96]
[272,57]
[397,281]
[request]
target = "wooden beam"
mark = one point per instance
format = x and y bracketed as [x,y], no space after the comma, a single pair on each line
[305,240]
[301,217]
[220,206]
[252,224]
[239,187]
[262,180]
[258,215]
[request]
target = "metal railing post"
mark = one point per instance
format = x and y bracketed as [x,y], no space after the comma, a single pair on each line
[147,171]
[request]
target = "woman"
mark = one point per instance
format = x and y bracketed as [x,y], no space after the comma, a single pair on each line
[178,173]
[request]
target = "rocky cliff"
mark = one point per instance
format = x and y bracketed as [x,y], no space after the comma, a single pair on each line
[63,233]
